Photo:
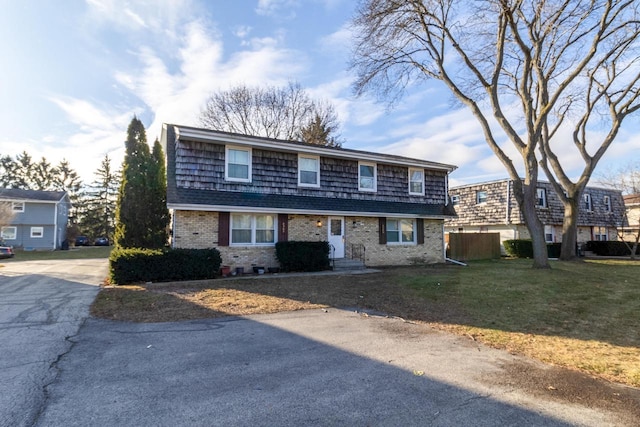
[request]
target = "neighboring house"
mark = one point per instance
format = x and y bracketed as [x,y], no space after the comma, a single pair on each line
[492,207]
[39,218]
[242,194]
[632,226]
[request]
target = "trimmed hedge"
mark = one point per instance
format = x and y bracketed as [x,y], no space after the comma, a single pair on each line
[162,265]
[303,256]
[610,248]
[523,248]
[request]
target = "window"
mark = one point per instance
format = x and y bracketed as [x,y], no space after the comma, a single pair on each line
[587,202]
[17,206]
[400,231]
[455,200]
[238,164]
[367,176]
[37,232]
[549,233]
[481,197]
[607,203]
[600,233]
[541,197]
[249,229]
[308,171]
[9,233]
[416,181]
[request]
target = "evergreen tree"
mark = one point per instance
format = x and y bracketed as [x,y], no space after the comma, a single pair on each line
[158,212]
[139,224]
[100,202]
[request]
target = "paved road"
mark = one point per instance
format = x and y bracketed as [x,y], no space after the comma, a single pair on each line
[315,367]
[42,304]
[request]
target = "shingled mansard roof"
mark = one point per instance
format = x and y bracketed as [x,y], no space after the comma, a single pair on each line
[201,199]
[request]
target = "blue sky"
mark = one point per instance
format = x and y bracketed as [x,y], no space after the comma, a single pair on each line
[76,71]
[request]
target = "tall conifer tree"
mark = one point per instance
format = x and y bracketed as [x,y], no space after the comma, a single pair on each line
[139,220]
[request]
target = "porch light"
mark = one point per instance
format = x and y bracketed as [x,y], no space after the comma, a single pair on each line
[319,224]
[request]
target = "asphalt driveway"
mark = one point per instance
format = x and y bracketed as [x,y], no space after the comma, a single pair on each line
[42,305]
[315,367]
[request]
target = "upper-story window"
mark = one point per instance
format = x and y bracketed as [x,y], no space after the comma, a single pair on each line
[587,202]
[455,200]
[541,197]
[17,206]
[481,197]
[416,181]
[367,176]
[607,203]
[237,165]
[308,171]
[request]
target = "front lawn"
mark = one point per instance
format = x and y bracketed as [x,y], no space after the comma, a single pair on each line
[584,316]
[83,252]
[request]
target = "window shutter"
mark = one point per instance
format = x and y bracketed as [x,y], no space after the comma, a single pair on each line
[223,228]
[283,228]
[382,230]
[420,227]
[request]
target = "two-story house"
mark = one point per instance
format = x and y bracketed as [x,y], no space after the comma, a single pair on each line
[38,220]
[492,207]
[242,194]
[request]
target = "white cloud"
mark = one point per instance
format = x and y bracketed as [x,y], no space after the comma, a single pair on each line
[281,9]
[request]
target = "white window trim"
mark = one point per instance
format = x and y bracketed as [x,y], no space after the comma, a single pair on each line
[226,163]
[544,204]
[303,184]
[400,242]
[4,232]
[411,170]
[588,201]
[375,177]
[478,202]
[253,230]
[37,232]
[607,203]
[550,230]
[17,206]
[455,199]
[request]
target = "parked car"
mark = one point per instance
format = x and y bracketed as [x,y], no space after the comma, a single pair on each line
[5,251]
[82,241]
[101,241]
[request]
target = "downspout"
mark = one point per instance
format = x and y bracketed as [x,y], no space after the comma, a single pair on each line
[508,199]
[55,225]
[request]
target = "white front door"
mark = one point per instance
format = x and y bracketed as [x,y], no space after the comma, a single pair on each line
[336,236]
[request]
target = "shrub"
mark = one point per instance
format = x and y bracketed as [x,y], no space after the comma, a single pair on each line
[158,265]
[303,256]
[609,248]
[523,248]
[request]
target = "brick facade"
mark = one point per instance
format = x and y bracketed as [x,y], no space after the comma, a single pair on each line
[199,230]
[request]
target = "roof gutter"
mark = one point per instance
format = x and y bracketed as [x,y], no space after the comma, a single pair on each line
[252,209]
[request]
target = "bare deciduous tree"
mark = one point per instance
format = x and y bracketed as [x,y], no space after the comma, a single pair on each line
[6,213]
[274,112]
[530,67]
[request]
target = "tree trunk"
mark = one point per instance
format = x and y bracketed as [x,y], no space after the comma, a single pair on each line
[570,230]
[535,227]
[525,195]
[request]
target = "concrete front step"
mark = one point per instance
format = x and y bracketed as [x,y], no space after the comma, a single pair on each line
[348,264]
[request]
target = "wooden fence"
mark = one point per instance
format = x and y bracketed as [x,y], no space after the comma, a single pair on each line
[472,246]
